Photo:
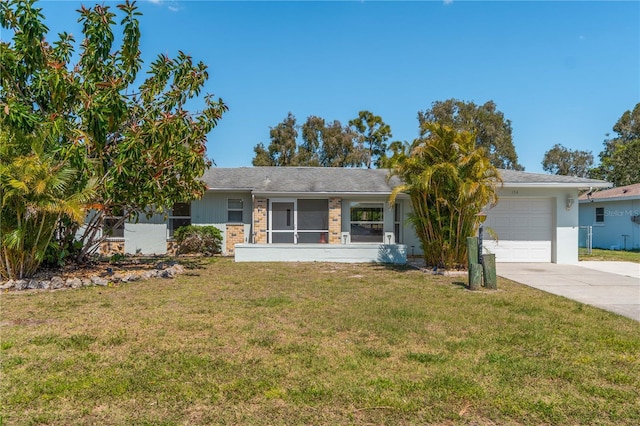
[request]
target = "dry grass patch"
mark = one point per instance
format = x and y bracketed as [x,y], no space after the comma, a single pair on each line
[314,343]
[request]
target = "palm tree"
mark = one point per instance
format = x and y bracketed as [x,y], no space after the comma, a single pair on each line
[449,181]
[37,192]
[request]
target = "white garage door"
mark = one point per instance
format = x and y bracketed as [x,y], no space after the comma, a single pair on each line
[524,230]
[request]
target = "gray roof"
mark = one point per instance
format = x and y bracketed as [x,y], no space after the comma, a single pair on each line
[350,180]
[515,178]
[300,179]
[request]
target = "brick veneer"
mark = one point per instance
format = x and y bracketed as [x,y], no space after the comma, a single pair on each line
[335,220]
[260,220]
[235,235]
[111,247]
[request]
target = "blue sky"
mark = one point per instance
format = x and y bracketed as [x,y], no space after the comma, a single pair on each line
[562,72]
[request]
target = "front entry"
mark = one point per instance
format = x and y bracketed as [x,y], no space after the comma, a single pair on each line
[283,222]
[298,221]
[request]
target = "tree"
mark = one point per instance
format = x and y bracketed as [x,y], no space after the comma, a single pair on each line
[141,146]
[37,192]
[492,131]
[620,159]
[283,146]
[450,181]
[373,134]
[338,148]
[567,162]
[323,144]
[309,151]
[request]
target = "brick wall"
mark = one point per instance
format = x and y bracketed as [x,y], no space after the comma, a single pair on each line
[235,235]
[172,248]
[111,247]
[260,220]
[335,220]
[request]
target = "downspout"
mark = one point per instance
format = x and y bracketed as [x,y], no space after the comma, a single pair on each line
[589,194]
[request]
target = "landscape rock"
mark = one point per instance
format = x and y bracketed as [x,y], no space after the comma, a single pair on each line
[99,280]
[150,274]
[131,278]
[74,282]
[9,284]
[21,284]
[169,270]
[57,282]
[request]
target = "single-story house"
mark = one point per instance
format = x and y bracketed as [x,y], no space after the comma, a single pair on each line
[343,215]
[614,217]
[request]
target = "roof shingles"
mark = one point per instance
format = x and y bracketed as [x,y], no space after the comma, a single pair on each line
[345,180]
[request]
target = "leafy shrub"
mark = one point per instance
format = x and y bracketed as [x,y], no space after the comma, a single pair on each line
[206,240]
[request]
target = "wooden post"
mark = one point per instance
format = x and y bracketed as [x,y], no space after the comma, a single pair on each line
[489,263]
[475,276]
[472,251]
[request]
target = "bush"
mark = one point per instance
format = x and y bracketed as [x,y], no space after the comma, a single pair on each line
[205,240]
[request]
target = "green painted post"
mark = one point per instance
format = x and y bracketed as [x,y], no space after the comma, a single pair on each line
[475,276]
[472,251]
[490,279]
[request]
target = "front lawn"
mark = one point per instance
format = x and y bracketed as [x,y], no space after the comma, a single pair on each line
[615,255]
[313,343]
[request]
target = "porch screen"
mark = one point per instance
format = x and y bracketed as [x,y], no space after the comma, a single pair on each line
[313,221]
[367,223]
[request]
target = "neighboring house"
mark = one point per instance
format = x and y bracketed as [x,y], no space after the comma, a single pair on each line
[614,217]
[343,215]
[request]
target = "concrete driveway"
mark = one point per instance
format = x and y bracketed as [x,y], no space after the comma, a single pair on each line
[613,286]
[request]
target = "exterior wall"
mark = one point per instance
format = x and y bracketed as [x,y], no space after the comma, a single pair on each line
[342,253]
[335,220]
[565,249]
[260,220]
[145,238]
[234,235]
[112,246]
[617,222]
[389,223]
[564,244]
[564,227]
[409,237]
[212,207]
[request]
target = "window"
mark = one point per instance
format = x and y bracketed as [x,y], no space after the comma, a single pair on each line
[234,210]
[180,216]
[599,214]
[397,219]
[113,227]
[367,222]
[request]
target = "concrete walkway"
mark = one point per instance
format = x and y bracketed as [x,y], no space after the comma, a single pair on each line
[613,286]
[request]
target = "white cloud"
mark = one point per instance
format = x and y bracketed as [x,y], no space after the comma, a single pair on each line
[173,8]
[447,2]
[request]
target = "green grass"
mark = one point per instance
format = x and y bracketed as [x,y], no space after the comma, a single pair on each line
[611,255]
[283,344]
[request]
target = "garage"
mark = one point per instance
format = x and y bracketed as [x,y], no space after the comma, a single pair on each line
[522,228]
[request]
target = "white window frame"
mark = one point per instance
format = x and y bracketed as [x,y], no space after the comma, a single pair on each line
[170,229]
[380,222]
[241,210]
[596,221]
[397,222]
